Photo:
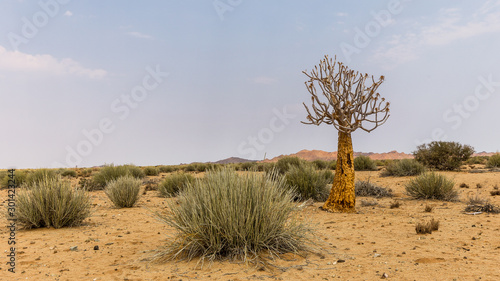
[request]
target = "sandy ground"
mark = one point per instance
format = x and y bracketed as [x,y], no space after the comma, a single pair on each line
[360,246]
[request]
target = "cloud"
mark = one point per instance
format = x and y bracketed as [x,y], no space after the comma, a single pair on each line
[450,27]
[340,14]
[264,80]
[139,35]
[21,62]
[68,13]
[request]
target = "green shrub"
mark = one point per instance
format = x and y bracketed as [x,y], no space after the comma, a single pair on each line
[431,186]
[88,184]
[441,155]
[494,161]
[174,183]
[333,165]
[112,172]
[364,163]
[403,168]
[248,166]
[368,189]
[39,175]
[68,173]
[124,191]
[151,171]
[286,162]
[50,201]
[321,164]
[227,215]
[309,183]
[20,178]
[265,167]
[474,160]
[168,169]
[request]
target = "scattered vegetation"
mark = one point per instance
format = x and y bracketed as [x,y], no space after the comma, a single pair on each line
[51,202]
[227,215]
[396,204]
[431,185]
[20,178]
[441,155]
[111,172]
[39,175]
[174,183]
[364,163]
[478,204]
[428,227]
[494,161]
[478,185]
[124,191]
[321,164]
[284,164]
[464,185]
[428,208]
[474,160]
[366,188]
[495,192]
[151,171]
[68,173]
[403,168]
[309,183]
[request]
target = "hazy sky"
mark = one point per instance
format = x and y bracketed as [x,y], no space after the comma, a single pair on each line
[166,82]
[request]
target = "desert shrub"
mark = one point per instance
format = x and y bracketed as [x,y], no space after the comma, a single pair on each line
[381,163]
[174,183]
[364,163]
[394,205]
[464,185]
[365,203]
[112,172]
[368,189]
[309,183]
[403,168]
[478,204]
[88,184]
[151,171]
[248,166]
[19,176]
[167,169]
[227,215]
[495,192]
[68,173]
[284,164]
[123,191]
[321,164]
[494,161]
[265,167]
[431,185]
[443,155]
[474,160]
[39,175]
[428,227]
[51,202]
[333,165]
[428,208]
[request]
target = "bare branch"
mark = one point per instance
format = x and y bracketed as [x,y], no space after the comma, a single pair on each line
[349,104]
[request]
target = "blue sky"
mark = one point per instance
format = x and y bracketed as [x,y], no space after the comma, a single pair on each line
[84,83]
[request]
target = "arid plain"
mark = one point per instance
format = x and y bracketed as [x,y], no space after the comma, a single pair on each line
[376,242]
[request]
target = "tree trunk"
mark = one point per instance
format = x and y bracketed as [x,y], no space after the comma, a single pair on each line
[342,197]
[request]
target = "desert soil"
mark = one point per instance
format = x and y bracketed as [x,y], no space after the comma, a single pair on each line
[376,242]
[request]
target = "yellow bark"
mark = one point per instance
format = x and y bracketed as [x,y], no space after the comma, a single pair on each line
[342,197]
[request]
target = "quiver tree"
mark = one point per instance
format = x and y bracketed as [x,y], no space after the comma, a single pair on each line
[347,104]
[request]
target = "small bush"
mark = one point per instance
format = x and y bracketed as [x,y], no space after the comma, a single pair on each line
[39,175]
[477,160]
[19,177]
[366,188]
[248,166]
[495,192]
[227,215]
[321,164]
[174,183]
[68,173]
[364,163]
[111,172]
[431,186]
[124,191]
[333,165]
[477,204]
[151,171]
[478,185]
[309,183]
[427,228]
[166,169]
[428,208]
[403,168]
[464,185]
[88,184]
[442,155]
[394,205]
[51,202]
[494,161]
[284,164]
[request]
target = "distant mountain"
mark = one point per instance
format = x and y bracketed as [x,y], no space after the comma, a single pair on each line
[311,155]
[232,160]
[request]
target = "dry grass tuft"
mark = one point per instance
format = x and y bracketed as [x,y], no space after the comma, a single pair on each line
[427,227]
